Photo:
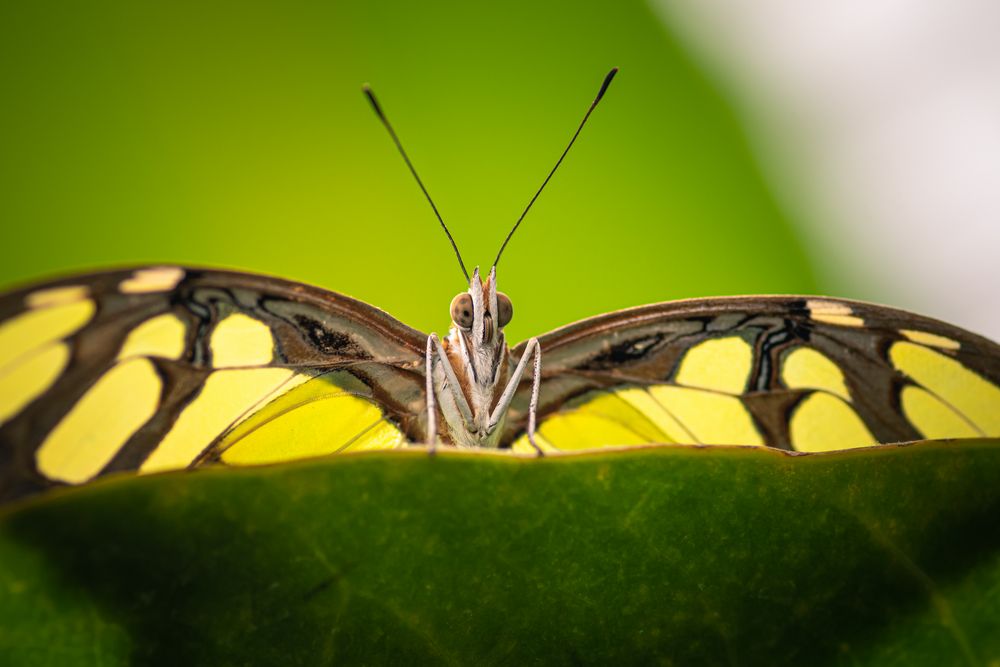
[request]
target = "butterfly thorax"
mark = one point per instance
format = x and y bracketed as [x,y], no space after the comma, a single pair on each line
[476,349]
[482,373]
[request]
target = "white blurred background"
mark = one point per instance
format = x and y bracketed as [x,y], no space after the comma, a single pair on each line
[878,124]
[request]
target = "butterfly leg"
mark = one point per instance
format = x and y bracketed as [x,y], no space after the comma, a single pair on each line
[532,350]
[431,407]
[435,348]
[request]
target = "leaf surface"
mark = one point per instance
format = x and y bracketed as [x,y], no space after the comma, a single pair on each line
[668,555]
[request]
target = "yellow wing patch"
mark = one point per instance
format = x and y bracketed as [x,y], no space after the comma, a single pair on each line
[240,340]
[651,409]
[977,399]
[933,417]
[27,378]
[620,407]
[601,419]
[522,446]
[325,415]
[36,328]
[161,336]
[227,397]
[707,410]
[101,422]
[713,419]
[806,368]
[644,415]
[583,430]
[823,422]
[721,364]
[32,356]
[384,435]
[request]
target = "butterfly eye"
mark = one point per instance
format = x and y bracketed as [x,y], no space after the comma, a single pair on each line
[505,309]
[461,310]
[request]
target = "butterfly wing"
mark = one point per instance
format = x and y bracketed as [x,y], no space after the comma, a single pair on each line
[807,374]
[165,367]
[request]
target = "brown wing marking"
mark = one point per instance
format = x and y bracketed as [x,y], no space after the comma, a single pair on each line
[314,330]
[644,346]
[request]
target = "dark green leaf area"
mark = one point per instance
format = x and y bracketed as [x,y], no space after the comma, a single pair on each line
[666,555]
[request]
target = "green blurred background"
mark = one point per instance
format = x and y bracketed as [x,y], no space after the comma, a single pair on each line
[235,134]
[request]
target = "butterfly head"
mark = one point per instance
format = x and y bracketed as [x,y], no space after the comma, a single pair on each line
[482,312]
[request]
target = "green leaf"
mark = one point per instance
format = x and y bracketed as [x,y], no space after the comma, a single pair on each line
[669,555]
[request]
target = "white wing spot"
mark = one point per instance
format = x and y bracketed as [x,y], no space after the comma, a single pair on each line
[158,279]
[832,312]
[57,296]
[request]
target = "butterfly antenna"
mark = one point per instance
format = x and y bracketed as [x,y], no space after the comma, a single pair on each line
[593,105]
[392,133]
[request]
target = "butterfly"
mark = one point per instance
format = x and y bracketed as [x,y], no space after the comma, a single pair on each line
[158,368]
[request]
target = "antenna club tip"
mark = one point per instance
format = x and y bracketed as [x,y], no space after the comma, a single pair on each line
[607,82]
[367,90]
